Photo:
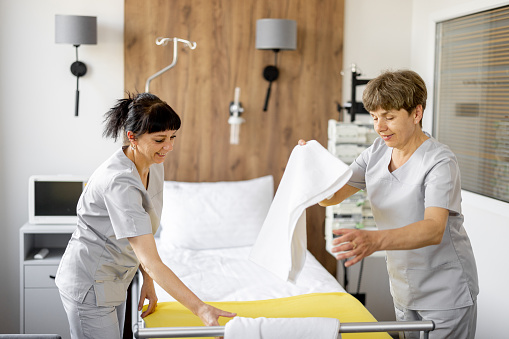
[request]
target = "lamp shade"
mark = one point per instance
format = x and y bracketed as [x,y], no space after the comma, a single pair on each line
[75,29]
[276,34]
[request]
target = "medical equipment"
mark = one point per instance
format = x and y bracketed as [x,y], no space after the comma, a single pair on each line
[235,120]
[164,41]
[52,199]
[346,141]
[354,107]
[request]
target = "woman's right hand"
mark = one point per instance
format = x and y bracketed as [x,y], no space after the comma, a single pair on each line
[209,315]
[323,203]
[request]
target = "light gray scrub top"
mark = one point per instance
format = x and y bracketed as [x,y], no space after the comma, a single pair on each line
[435,277]
[113,206]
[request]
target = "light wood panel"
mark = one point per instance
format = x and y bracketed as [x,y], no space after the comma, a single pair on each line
[201,86]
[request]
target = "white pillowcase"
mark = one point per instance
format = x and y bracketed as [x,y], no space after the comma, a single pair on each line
[207,215]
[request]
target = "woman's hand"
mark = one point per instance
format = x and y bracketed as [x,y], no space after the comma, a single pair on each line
[322,203]
[358,244]
[354,243]
[153,269]
[148,292]
[209,315]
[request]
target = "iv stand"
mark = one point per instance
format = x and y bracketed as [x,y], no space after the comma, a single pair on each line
[164,42]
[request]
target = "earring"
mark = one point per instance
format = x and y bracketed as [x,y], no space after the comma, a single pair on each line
[133,147]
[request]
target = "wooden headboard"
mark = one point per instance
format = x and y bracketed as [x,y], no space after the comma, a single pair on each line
[201,86]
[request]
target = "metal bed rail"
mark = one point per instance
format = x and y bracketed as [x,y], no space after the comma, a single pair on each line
[140,332]
[218,331]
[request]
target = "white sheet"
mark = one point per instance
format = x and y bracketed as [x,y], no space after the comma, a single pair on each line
[228,275]
[311,175]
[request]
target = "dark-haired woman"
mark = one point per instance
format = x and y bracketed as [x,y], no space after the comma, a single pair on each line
[118,214]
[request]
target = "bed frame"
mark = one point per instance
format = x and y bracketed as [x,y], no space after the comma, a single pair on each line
[140,332]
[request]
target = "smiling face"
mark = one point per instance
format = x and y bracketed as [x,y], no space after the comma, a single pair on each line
[154,147]
[397,128]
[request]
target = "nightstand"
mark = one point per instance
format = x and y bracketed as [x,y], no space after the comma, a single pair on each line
[41,309]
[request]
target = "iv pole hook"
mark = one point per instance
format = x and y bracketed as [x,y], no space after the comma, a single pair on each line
[164,42]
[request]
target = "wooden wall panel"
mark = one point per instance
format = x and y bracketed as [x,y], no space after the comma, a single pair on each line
[201,86]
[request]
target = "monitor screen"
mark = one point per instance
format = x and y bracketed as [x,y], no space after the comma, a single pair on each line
[56,197]
[52,199]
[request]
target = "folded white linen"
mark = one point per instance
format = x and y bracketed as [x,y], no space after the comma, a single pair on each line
[312,174]
[277,328]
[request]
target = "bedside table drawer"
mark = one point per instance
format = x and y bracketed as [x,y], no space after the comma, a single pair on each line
[44,312]
[40,276]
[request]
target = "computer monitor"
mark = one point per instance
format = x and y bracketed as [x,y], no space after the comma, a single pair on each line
[52,199]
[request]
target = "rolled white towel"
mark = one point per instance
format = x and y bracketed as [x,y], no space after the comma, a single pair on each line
[279,328]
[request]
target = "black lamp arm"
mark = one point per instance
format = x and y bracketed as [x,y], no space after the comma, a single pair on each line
[78,69]
[77,104]
[267,97]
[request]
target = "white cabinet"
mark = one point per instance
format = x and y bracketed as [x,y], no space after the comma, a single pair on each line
[40,305]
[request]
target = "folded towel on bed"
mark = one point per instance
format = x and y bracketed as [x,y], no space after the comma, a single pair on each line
[311,175]
[277,328]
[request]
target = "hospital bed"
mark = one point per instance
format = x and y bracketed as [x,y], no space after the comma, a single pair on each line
[206,233]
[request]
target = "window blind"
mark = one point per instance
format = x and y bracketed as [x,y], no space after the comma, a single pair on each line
[472,98]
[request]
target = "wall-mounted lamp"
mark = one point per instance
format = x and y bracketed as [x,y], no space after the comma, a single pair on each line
[76,30]
[275,34]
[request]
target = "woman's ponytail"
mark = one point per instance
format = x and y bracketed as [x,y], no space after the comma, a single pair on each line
[115,119]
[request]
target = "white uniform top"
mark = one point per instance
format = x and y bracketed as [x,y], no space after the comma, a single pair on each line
[435,277]
[113,206]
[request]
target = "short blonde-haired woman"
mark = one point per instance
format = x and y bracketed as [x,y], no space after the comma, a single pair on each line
[413,184]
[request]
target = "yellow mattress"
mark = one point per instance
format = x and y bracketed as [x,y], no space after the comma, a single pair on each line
[341,306]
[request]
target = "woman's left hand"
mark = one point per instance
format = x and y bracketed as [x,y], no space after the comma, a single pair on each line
[355,244]
[148,292]
[209,315]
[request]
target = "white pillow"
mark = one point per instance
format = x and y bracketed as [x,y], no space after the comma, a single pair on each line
[207,215]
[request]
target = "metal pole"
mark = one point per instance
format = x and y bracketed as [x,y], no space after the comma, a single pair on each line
[181,332]
[218,331]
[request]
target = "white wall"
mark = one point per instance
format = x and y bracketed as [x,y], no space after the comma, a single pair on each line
[39,133]
[376,38]
[486,220]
